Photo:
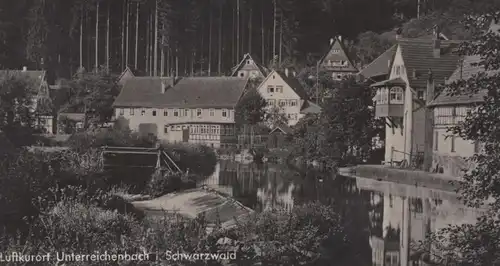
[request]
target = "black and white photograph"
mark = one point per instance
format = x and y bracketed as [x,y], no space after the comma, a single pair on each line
[250,132]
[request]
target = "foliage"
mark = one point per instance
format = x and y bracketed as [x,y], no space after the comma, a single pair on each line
[276,116]
[93,94]
[17,94]
[345,127]
[161,184]
[251,108]
[196,159]
[477,244]
[279,237]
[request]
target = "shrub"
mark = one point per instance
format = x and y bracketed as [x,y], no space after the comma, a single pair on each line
[198,159]
[161,184]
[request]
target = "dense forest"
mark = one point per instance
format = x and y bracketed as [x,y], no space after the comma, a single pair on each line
[198,37]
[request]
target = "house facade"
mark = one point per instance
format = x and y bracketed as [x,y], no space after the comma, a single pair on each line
[337,61]
[194,109]
[249,68]
[282,90]
[401,99]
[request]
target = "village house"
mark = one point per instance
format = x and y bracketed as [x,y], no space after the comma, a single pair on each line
[248,67]
[401,99]
[41,102]
[337,61]
[191,109]
[283,90]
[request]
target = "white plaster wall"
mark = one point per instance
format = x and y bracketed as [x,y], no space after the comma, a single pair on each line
[288,94]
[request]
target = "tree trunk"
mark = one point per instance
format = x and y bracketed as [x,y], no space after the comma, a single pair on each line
[176,62]
[162,58]
[202,48]
[136,34]
[237,30]
[263,34]
[97,36]
[250,32]
[210,44]
[274,29]
[81,38]
[219,67]
[193,57]
[127,39]
[123,37]
[155,64]
[107,37]
[151,36]
[234,38]
[281,36]
[146,54]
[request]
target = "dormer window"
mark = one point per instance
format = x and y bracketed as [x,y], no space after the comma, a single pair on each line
[396,95]
[421,95]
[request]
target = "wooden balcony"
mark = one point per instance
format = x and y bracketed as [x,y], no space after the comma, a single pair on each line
[389,110]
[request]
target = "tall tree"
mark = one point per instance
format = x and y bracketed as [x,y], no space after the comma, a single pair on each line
[155,57]
[136,35]
[96,65]
[108,28]
[127,33]
[210,42]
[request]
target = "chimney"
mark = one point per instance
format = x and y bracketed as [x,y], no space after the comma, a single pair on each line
[389,63]
[163,87]
[286,72]
[428,125]
[331,41]
[436,43]
[340,38]
[414,74]
[294,73]
[25,68]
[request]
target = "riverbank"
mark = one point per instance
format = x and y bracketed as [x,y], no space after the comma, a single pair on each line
[402,176]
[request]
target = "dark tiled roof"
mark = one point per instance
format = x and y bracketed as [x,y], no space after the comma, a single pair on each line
[294,83]
[190,92]
[37,76]
[465,71]
[418,56]
[342,55]
[242,65]
[310,108]
[381,65]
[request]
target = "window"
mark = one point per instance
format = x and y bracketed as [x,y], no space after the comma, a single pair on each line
[176,112]
[420,95]
[154,112]
[224,113]
[165,113]
[279,89]
[436,140]
[165,129]
[293,103]
[242,74]
[270,89]
[282,103]
[396,95]
[198,112]
[212,112]
[274,77]
[452,139]
[143,112]
[121,111]
[248,62]
[398,70]
[131,111]
[186,112]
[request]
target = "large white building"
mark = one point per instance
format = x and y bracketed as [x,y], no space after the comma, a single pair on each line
[192,109]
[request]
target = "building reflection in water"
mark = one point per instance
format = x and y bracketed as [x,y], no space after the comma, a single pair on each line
[386,216]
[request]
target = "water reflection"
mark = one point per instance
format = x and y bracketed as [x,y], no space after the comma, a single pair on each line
[382,217]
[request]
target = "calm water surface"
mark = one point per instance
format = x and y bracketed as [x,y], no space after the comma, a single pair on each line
[383,217]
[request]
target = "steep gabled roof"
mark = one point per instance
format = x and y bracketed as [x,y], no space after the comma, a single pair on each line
[190,92]
[381,65]
[293,83]
[243,65]
[310,108]
[284,128]
[418,57]
[133,72]
[337,52]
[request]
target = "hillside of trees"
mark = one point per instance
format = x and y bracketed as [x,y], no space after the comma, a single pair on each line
[198,37]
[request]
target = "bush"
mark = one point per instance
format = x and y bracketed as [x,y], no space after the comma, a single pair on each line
[198,159]
[161,184]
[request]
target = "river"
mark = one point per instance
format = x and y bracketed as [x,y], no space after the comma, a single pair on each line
[383,216]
